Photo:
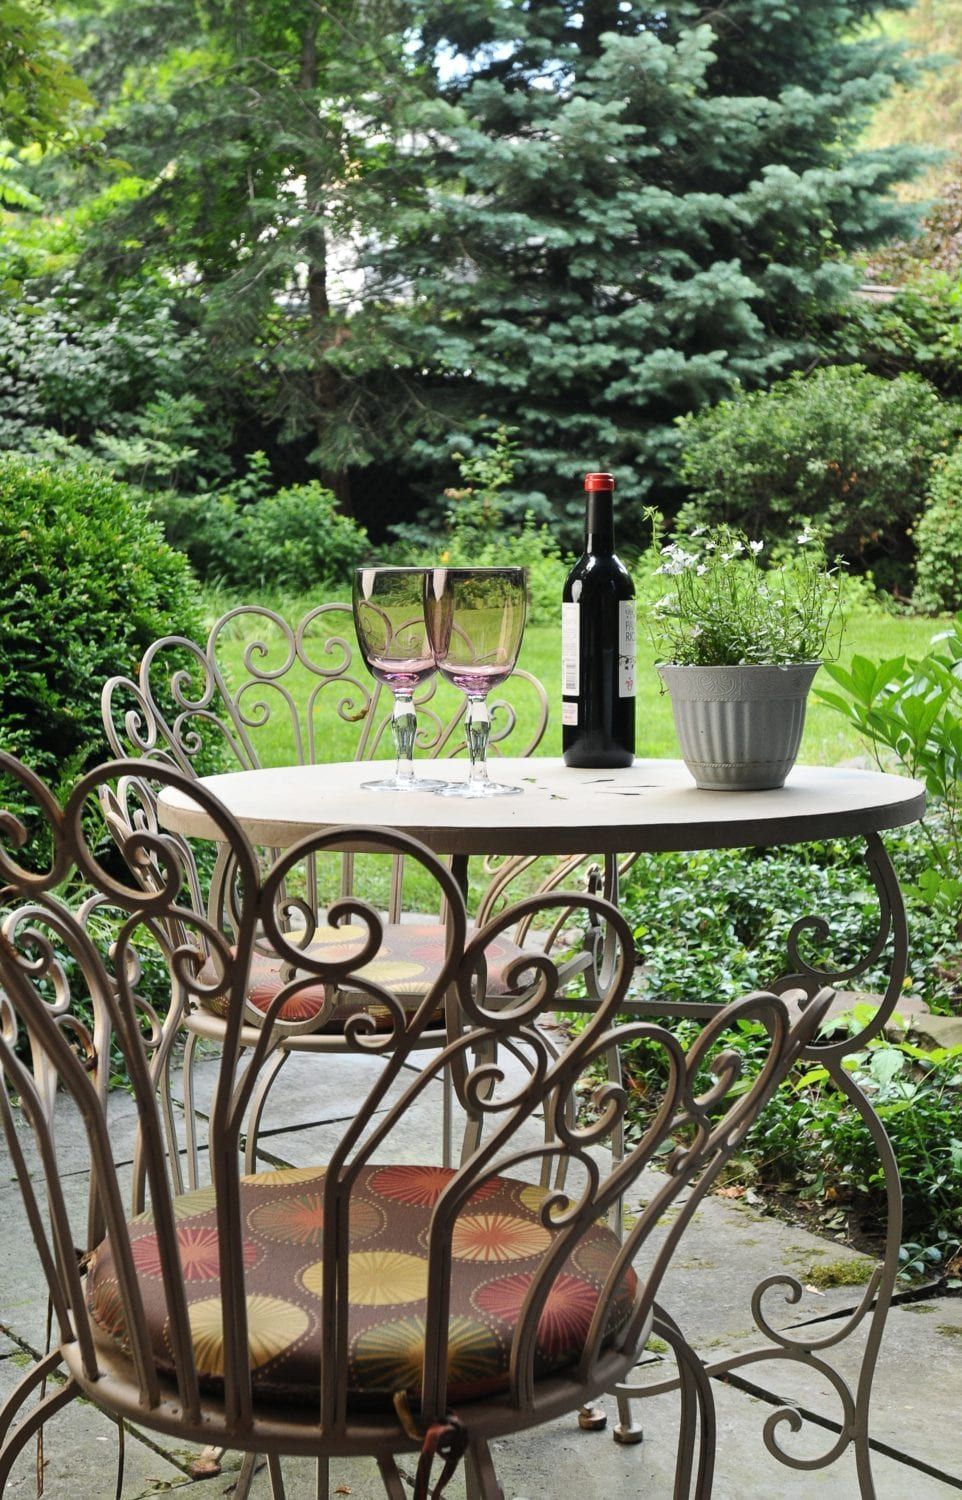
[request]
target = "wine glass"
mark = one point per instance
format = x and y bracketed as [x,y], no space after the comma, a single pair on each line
[392,635]
[475,619]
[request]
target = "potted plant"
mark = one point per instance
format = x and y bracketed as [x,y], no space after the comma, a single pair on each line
[740,644]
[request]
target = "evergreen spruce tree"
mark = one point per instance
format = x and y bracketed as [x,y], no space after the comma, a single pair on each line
[612,213]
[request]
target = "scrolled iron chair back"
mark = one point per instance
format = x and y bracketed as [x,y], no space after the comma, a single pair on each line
[189,708]
[178,1393]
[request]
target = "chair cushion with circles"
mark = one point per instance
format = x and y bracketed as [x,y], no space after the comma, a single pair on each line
[498,1242]
[407,963]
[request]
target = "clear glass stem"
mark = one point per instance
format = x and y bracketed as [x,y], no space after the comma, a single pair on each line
[404,727]
[477,727]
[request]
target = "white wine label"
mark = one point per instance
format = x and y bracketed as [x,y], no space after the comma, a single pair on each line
[569,713]
[626,648]
[570,650]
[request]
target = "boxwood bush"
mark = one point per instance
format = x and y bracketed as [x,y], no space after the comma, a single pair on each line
[89,582]
[841,447]
[296,539]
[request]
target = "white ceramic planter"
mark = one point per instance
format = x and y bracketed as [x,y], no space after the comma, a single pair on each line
[739,728]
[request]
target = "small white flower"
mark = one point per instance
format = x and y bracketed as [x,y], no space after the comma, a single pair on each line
[756,547]
[666,601]
[698,531]
[803,538]
[702,568]
[737,547]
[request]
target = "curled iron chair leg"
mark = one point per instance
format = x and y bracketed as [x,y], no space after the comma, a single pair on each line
[266,1082]
[276,1475]
[394,1486]
[245,1478]
[698,1411]
[592,1418]
[207,1464]
[20,1436]
[23,1390]
[480,1478]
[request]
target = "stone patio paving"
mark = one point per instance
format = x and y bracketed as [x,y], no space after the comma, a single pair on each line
[729,1247]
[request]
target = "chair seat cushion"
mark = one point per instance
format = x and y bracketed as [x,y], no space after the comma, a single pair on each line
[407,963]
[498,1243]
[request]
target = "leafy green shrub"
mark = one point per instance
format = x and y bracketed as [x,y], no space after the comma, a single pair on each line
[918,332]
[809,1140]
[120,382]
[295,539]
[811,1137]
[938,541]
[909,710]
[89,582]
[848,450]
[205,527]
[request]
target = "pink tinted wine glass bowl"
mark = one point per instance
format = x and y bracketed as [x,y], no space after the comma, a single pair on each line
[475,619]
[392,636]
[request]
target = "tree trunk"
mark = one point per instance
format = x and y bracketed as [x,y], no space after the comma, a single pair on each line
[323,382]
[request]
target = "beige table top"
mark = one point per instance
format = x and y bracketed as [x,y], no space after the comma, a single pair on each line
[652,805]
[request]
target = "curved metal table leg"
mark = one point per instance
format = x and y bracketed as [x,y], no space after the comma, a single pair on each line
[869,1316]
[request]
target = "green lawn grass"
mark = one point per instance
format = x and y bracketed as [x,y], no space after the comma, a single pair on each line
[827,738]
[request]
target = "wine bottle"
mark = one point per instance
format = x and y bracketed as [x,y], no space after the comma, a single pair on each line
[598,644]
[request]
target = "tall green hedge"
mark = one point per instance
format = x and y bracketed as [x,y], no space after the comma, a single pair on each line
[87,583]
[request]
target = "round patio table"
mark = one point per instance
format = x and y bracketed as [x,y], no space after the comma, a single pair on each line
[652,807]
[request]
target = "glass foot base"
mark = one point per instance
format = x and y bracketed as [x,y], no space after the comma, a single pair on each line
[478,789]
[404,784]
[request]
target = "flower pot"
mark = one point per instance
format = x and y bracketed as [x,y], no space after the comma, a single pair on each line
[739,728]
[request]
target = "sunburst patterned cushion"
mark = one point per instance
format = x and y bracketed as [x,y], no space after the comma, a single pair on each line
[407,963]
[498,1243]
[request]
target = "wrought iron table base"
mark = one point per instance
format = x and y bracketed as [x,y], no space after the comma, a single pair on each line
[694,1375]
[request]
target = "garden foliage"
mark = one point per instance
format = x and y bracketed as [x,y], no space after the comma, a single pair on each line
[844,448]
[294,539]
[395,225]
[810,1142]
[89,582]
[479,533]
[909,711]
[938,542]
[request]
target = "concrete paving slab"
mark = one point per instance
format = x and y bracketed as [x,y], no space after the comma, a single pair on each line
[726,1250]
[559,1459]
[915,1393]
[80,1453]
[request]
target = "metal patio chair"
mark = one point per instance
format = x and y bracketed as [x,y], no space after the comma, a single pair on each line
[359,1305]
[298,681]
